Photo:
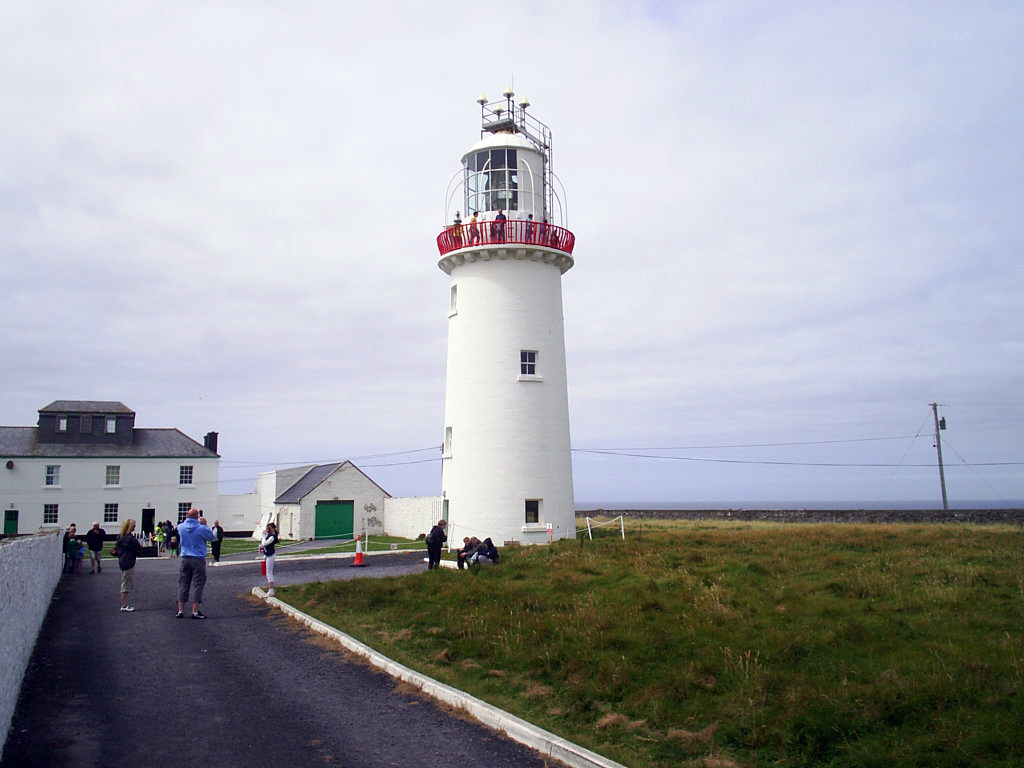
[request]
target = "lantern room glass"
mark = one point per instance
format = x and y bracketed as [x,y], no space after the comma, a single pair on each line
[492,180]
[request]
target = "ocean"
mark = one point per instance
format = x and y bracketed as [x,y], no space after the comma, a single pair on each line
[588,506]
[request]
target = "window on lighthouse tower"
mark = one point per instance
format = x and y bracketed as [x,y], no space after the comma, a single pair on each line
[528,362]
[532,509]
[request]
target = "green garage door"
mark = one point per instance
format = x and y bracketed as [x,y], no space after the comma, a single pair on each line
[333,519]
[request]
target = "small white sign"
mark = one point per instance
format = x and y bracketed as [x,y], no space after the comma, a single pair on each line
[550,528]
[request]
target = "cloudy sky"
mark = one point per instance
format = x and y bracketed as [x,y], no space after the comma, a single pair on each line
[798,224]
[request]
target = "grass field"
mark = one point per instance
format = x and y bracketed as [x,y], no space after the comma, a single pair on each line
[716,644]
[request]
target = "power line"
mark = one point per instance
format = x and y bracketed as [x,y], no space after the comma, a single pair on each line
[780,463]
[754,445]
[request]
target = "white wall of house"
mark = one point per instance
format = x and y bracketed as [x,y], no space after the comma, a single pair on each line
[411,516]
[236,512]
[81,493]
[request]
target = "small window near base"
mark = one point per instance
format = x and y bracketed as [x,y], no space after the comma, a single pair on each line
[533,510]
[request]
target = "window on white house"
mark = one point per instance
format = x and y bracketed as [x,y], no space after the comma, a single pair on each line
[447,441]
[50,513]
[528,362]
[110,513]
[53,474]
[111,425]
[533,510]
[185,475]
[183,508]
[113,474]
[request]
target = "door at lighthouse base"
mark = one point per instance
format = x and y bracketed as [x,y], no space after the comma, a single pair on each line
[334,519]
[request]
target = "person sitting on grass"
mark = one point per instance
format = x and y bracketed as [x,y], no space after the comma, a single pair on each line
[470,544]
[487,554]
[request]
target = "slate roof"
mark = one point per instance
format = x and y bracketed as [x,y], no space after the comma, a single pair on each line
[313,478]
[306,483]
[86,406]
[147,444]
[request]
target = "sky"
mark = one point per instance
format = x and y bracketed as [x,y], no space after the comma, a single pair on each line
[798,224]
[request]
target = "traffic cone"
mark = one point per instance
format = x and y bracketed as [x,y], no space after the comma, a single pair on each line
[358,562]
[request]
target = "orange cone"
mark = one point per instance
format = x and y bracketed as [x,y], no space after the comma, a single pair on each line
[358,562]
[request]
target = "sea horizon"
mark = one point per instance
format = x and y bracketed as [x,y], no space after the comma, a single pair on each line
[588,506]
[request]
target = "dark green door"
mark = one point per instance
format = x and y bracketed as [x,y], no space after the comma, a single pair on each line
[11,522]
[334,519]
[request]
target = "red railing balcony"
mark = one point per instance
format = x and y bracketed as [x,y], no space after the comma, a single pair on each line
[509,232]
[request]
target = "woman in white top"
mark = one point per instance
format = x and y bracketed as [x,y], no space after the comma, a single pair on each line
[268,546]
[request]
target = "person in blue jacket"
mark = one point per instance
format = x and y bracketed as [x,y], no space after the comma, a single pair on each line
[192,535]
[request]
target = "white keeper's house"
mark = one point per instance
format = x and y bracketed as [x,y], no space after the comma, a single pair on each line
[86,461]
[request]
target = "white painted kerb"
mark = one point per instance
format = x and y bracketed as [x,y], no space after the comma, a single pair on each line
[514,727]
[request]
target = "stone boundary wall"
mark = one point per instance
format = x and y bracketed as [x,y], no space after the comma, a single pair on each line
[952,516]
[30,567]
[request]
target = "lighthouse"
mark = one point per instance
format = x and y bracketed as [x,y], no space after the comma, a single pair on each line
[506,460]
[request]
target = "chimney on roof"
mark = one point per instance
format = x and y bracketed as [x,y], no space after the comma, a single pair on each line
[210,441]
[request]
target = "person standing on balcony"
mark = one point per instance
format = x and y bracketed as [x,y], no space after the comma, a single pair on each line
[457,230]
[474,229]
[529,227]
[498,227]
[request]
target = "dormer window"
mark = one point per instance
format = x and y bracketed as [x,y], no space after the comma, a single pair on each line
[111,425]
[62,423]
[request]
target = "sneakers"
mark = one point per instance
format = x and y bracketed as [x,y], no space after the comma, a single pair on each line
[127,608]
[198,615]
[270,592]
[179,615]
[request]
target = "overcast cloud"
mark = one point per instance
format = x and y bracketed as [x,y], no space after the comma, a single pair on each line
[797,225]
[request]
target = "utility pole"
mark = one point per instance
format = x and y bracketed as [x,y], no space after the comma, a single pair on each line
[939,425]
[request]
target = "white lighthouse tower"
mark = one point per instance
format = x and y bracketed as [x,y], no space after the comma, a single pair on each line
[507,466]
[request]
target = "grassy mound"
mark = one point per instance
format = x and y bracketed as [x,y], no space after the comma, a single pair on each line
[729,645]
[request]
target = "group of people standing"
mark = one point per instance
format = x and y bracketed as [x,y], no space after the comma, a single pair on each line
[473,551]
[501,229]
[75,549]
[191,535]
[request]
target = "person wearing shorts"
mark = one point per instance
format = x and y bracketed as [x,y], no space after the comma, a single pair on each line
[94,539]
[128,550]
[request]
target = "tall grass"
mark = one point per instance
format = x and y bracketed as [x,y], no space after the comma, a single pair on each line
[729,645]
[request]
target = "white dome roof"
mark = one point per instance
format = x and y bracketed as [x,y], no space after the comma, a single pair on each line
[496,140]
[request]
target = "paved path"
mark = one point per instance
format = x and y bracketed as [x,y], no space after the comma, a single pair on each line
[246,688]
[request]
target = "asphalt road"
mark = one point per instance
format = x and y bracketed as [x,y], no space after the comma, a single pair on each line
[246,688]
